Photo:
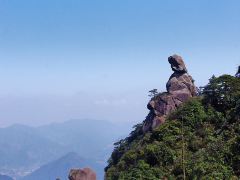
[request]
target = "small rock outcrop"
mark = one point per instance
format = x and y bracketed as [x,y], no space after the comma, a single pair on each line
[180,87]
[82,174]
[238,72]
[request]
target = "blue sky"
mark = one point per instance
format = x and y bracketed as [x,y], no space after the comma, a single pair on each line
[60,58]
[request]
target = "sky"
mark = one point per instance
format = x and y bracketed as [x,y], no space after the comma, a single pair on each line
[74,59]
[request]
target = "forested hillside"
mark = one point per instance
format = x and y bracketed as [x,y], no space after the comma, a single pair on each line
[199,140]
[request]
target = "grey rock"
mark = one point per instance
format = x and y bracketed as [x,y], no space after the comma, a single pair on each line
[180,87]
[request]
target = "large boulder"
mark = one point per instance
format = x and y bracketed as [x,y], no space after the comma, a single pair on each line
[180,87]
[177,64]
[82,174]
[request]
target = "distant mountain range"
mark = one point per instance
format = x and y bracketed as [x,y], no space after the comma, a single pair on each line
[24,149]
[23,146]
[60,168]
[4,177]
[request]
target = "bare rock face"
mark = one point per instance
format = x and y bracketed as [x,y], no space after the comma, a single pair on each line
[238,73]
[180,87]
[82,174]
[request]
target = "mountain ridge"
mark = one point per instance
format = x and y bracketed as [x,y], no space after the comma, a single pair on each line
[199,139]
[25,148]
[60,168]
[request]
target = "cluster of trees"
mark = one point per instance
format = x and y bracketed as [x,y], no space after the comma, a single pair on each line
[200,140]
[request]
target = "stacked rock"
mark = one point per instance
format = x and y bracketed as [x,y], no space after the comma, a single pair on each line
[180,87]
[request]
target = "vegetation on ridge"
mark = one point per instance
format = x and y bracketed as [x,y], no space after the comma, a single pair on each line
[200,140]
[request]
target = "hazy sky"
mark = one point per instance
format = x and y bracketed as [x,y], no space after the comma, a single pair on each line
[65,59]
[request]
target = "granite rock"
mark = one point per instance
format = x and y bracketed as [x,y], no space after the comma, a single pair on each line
[82,174]
[180,87]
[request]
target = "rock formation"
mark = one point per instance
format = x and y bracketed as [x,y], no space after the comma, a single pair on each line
[180,87]
[238,73]
[82,174]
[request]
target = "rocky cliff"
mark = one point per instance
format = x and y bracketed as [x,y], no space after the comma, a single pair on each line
[198,140]
[180,87]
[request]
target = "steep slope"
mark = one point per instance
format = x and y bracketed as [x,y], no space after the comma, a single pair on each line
[199,140]
[60,168]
